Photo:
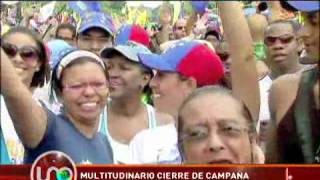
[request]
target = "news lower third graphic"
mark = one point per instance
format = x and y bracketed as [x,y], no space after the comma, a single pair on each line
[53,165]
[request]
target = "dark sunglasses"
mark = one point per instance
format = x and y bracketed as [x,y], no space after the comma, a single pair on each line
[181,27]
[27,53]
[223,56]
[272,40]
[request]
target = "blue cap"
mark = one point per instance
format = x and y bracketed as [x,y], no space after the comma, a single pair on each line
[199,6]
[130,49]
[96,19]
[56,47]
[306,6]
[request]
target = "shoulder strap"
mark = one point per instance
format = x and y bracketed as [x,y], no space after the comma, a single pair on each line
[302,114]
[151,117]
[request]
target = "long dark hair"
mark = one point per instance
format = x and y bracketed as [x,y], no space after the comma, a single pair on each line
[40,77]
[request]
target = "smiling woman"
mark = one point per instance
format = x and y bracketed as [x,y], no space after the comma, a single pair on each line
[80,81]
[27,54]
[128,80]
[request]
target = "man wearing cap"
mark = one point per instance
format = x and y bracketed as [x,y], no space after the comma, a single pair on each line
[95,32]
[294,100]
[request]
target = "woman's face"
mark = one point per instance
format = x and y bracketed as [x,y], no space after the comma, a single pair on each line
[310,36]
[214,131]
[126,77]
[84,91]
[169,91]
[24,53]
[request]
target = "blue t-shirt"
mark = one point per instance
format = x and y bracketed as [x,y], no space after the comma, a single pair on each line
[62,135]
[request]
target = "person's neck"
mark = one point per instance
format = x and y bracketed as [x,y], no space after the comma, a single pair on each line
[129,106]
[294,68]
[88,130]
[276,72]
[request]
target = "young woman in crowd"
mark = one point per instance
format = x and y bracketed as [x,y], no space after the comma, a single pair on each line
[172,74]
[81,82]
[30,64]
[126,114]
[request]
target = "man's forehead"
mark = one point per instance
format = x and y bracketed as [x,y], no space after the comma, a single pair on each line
[279,28]
[214,101]
[181,21]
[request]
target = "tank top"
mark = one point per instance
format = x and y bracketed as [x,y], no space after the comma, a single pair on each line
[121,151]
[298,134]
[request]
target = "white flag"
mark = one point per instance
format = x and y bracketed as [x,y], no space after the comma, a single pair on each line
[46,11]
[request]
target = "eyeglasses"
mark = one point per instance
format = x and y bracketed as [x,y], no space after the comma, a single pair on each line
[27,53]
[80,87]
[201,132]
[269,41]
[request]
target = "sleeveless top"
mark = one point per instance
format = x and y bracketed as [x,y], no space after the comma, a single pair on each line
[298,134]
[121,152]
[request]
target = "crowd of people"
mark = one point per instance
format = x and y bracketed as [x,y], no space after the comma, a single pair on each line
[242,88]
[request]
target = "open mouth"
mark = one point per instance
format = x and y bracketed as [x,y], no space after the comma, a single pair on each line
[89,106]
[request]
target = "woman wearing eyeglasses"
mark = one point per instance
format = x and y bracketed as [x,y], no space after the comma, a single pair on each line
[210,133]
[30,64]
[80,81]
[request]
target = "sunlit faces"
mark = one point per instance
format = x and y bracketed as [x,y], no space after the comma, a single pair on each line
[94,40]
[282,45]
[169,90]
[310,35]
[26,58]
[214,130]
[84,91]
[126,77]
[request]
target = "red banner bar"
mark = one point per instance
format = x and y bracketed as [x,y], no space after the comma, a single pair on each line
[171,172]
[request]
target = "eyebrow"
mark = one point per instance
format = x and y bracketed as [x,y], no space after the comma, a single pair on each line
[206,122]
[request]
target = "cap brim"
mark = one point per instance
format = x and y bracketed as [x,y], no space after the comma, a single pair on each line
[306,6]
[88,26]
[108,52]
[155,61]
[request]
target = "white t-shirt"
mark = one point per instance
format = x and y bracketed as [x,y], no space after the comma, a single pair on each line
[264,86]
[156,146]
[43,95]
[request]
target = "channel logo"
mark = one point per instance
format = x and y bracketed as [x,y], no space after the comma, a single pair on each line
[53,165]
